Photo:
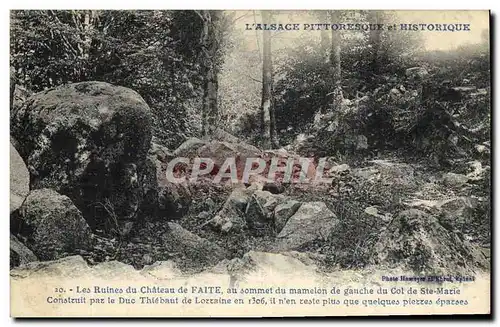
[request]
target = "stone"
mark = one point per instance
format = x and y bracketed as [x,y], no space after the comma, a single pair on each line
[373,211]
[189,148]
[366,172]
[88,141]
[72,266]
[174,200]
[417,241]
[454,180]
[266,264]
[203,215]
[395,93]
[219,152]
[464,89]
[147,259]
[162,270]
[313,221]
[361,142]
[478,172]
[417,72]
[160,152]
[231,217]
[482,149]
[455,213]
[210,203]
[395,169]
[272,263]
[221,135]
[392,173]
[339,168]
[459,211]
[193,247]
[273,187]
[308,258]
[19,253]
[53,226]
[283,212]
[164,200]
[259,211]
[19,179]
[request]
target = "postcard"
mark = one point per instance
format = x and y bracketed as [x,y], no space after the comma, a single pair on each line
[263,163]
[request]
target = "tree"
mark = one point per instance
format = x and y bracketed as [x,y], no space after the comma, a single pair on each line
[325,38]
[335,62]
[269,135]
[210,70]
[156,53]
[374,41]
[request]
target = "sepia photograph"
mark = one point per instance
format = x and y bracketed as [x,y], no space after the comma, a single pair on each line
[265,163]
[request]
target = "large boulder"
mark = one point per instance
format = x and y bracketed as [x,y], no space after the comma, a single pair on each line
[19,253]
[313,221]
[88,141]
[52,225]
[193,247]
[189,148]
[283,212]
[417,241]
[19,180]
[456,213]
[174,198]
[219,152]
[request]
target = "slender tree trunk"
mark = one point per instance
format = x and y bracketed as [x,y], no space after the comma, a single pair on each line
[205,16]
[88,21]
[269,135]
[84,21]
[212,87]
[325,37]
[13,82]
[374,42]
[210,111]
[335,63]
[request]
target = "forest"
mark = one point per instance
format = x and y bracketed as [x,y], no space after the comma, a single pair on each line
[405,127]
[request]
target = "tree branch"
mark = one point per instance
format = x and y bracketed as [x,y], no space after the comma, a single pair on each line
[254,79]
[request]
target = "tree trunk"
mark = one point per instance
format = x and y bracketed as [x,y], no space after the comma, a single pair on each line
[210,111]
[269,135]
[374,17]
[13,81]
[335,63]
[84,21]
[325,38]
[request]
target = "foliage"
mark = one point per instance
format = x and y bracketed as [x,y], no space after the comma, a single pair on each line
[304,85]
[156,53]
